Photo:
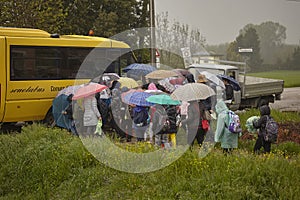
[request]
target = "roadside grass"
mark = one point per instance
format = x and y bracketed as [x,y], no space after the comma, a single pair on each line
[290,77]
[43,163]
[279,116]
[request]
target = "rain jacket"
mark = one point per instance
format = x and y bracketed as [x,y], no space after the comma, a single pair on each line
[261,123]
[193,115]
[140,116]
[223,135]
[91,113]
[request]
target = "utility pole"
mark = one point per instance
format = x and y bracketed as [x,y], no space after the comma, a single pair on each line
[152,34]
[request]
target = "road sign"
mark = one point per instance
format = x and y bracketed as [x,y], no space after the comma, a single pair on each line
[186,52]
[245,50]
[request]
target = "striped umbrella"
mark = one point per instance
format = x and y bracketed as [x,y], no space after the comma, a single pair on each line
[139,99]
[137,69]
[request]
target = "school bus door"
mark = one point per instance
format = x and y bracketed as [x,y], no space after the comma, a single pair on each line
[2,76]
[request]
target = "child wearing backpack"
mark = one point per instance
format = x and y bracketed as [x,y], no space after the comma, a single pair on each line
[228,139]
[260,124]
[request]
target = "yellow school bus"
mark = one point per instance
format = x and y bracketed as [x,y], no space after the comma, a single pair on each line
[35,65]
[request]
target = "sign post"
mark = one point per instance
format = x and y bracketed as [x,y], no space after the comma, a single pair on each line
[186,54]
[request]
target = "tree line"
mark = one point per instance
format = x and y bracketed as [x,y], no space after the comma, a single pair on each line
[105,17]
[269,49]
[109,18]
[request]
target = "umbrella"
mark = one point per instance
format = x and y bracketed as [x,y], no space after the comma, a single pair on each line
[128,82]
[138,70]
[162,99]
[161,74]
[87,90]
[181,72]
[60,104]
[192,92]
[235,84]
[166,83]
[139,99]
[213,78]
[127,94]
[69,90]
[177,81]
[105,78]
[154,91]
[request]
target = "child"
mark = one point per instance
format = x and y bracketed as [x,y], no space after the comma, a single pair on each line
[91,114]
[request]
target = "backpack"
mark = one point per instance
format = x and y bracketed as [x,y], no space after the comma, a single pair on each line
[141,118]
[234,123]
[271,130]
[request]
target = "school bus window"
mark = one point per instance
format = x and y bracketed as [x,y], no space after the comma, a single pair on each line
[54,63]
[48,63]
[22,65]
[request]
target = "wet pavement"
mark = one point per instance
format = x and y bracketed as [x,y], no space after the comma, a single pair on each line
[290,100]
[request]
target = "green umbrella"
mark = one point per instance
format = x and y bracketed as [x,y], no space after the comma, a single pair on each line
[162,99]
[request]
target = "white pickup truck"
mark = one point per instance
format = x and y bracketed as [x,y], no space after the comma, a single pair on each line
[254,92]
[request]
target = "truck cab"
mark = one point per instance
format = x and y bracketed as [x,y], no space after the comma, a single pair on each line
[255,91]
[217,69]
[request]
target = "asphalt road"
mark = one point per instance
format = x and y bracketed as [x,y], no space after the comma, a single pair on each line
[290,100]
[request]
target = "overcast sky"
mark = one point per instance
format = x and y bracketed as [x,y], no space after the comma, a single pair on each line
[220,20]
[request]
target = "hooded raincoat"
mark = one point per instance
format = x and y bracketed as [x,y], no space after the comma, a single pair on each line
[228,140]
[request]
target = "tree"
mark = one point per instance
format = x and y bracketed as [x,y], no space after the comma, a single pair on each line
[271,36]
[250,40]
[80,16]
[294,62]
[232,52]
[171,36]
[46,15]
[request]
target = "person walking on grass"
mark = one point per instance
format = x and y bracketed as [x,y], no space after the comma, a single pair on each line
[229,140]
[260,124]
[140,121]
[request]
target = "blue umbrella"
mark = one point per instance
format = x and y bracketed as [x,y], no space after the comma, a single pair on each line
[59,104]
[137,70]
[235,84]
[139,99]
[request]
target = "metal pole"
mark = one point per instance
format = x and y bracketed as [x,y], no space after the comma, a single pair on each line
[152,34]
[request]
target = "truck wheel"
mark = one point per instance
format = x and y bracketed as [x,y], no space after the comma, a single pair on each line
[277,96]
[49,119]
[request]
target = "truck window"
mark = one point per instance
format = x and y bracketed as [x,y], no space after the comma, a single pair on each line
[232,74]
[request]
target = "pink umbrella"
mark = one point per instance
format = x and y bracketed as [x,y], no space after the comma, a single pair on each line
[87,90]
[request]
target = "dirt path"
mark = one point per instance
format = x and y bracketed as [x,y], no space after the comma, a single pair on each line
[290,100]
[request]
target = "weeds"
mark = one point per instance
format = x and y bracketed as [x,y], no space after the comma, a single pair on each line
[42,163]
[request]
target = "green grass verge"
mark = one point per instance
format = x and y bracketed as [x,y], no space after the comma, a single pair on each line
[43,163]
[290,77]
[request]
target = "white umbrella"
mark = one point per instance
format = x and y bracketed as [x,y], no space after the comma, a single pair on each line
[213,78]
[192,92]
